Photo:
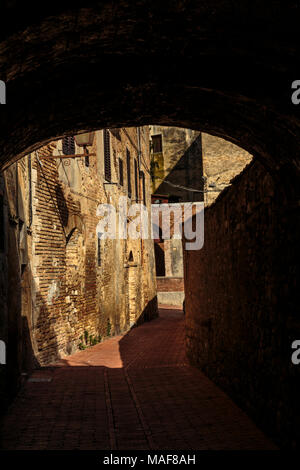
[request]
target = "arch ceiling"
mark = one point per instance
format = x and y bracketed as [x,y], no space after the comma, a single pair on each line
[223,67]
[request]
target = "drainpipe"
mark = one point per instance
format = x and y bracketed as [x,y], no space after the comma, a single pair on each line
[139,185]
[139,159]
[17,192]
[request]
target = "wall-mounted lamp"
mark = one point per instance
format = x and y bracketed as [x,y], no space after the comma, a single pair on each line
[82,140]
[85,140]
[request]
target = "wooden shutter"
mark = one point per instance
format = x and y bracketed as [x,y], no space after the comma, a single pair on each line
[121,172]
[68,145]
[144,187]
[99,251]
[128,172]
[107,162]
[136,181]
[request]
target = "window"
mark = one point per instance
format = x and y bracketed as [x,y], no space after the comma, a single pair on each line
[68,145]
[136,181]
[121,172]
[2,232]
[87,159]
[23,245]
[99,251]
[128,172]
[107,162]
[142,176]
[157,143]
[160,265]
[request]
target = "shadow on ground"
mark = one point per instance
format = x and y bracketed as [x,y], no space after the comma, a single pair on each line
[130,392]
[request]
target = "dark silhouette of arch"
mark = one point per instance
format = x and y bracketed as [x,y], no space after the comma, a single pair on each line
[208,72]
[221,67]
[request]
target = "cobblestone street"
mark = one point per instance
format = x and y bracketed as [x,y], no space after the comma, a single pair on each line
[130,392]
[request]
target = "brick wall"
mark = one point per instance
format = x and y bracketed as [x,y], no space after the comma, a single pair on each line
[170,284]
[170,291]
[64,288]
[242,301]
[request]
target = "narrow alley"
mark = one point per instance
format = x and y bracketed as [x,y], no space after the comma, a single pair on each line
[135,391]
[149,226]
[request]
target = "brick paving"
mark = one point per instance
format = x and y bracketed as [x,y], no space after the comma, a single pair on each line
[130,392]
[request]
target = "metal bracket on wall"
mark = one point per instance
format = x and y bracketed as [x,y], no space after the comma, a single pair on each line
[76,155]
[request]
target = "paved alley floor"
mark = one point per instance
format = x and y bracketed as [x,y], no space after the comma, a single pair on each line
[130,392]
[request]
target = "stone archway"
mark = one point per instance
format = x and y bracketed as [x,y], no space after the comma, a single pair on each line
[188,64]
[225,68]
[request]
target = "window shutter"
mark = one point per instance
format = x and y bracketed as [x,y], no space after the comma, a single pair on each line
[107,162]
[121,174]
[99,251]
[128,172]
[144,187]
[68,145]
[136,180]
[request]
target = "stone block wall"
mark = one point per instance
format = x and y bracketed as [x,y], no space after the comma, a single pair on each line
[222,161]
[242,301]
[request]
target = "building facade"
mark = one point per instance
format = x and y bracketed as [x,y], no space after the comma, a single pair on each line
[63,285]
[186,166]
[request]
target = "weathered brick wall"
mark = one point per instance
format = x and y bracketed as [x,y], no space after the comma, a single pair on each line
[170,291]
[54,289]
[74,294]
[242,303]
[170,284]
